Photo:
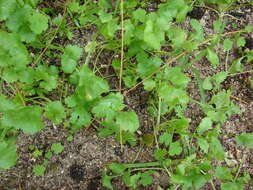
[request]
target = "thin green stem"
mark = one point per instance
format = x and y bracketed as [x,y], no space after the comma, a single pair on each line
[141,169]
[200,83]
[226,62]
[168,172]
[87,59]
[137,155]
[3,133]
[156,127]
[37,102]
[239,168]
[54,35]
[143,165]
[40,97]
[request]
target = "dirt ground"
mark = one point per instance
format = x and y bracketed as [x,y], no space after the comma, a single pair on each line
[79,166]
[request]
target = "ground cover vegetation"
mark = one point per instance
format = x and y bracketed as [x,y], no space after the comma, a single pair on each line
[153,49]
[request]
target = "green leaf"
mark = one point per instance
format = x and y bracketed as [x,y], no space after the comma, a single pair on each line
[68,60]
[130,80]
[203,144]
[74,6]
[178,125]
[8,155]
[165,138]
[57,148]
[55,112]
[38,22]
[108,29]
[160,154]
[212,57]
[7,104]
[187,162]
[149,84]
[79,118]
[227,44]
[220,77]
[108,105]
[245,139]
[19,23]
[104,17]
[223,173]
[127,137]
[249,56]
[139,15]
[177,77]
[49,155]
[7,8]
[232,186]
[133,180]
[207,85]
[46,77]
[175,148]
[10,60]
[129,31]
[248,28]
[70,138]
[28,119]
[33,2]
[147,66]
[217,149]
[117,168]
[177,36]
[236,66]
[218,26]
[128,121]
[39,170]
[150,36]
[90,86]
[173,95]
[176,8]
[205,124]
[146,179]
[244,179]
[106,181]
[196,25]
[104,4]
[37,153]
[91,47]
[223,107]
[221,99]
[240,42]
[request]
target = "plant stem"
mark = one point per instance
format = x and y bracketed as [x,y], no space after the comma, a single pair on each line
[142,165]
[200,82]
[122,43]
[226,62]
[51,40]
[121,59]
[156,127]
[239,168]
[213,186]
[138,169]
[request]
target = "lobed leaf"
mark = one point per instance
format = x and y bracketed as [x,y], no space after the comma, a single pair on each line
[128,121]
[28,119]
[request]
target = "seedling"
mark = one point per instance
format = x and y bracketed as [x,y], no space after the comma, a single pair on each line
[57,148]
[150,48]
[39,170]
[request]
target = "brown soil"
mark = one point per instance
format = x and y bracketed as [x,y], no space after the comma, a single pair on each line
[80,165]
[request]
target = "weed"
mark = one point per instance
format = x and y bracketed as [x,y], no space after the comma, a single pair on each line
[143,40]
